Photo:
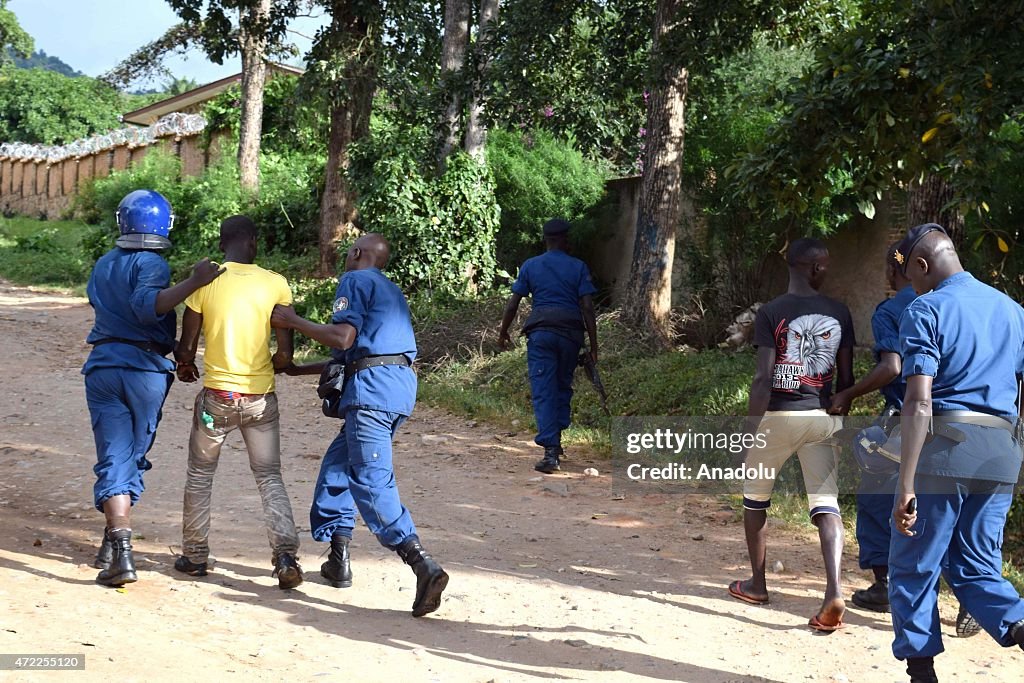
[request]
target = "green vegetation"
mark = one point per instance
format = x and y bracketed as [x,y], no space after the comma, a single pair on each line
[46,107]
[538,177]
[49,254]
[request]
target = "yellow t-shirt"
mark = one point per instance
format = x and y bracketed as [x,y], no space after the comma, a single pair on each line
[236,311]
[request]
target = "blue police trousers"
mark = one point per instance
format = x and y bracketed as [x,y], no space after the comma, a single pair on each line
[965,517]
[551,361]
[125,407]
[357,473]
[874,508]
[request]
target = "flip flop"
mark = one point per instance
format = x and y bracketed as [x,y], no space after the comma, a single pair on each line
[736,591]
[818,625]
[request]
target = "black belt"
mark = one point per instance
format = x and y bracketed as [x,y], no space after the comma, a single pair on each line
[152,347]
[375,362]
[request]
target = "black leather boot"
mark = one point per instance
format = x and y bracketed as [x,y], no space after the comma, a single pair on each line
[431,580]
[105,554]
[550,463]
[338,568]
[874,598]
[921,670]
[1017,633]
[122,563]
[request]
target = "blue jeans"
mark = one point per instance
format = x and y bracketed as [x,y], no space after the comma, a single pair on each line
[551,361]
[125,408]
[357,473]
[966,518]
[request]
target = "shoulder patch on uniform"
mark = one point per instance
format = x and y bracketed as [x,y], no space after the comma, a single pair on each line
[340,304]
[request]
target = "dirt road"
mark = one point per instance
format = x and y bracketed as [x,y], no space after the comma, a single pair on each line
[551,578]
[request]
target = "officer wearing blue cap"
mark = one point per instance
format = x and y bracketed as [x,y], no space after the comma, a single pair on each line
[962,344]
[128,374]
[563,308]
[878,477]
[373,347]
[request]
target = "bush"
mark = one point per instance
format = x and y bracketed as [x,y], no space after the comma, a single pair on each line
[538,177]
[441,227]
[43,253]
[286,209]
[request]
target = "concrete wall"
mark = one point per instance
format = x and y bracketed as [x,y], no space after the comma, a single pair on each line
[44,190]
[857,250]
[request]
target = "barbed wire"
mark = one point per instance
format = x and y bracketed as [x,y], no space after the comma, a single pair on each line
[132,136]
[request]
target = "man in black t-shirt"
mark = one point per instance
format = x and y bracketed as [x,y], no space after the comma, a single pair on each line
[803,340]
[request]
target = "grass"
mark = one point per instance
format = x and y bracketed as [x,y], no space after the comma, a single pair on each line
[44,253]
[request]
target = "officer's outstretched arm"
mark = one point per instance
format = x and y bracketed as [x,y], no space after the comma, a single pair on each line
[203,273]
[336,335]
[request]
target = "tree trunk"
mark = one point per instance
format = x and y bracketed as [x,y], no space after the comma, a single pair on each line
[927,202]
[350,121]
[476,134]
[648,301]
[453,56]
[253,42]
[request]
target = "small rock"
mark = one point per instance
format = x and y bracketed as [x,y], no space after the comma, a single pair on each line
[778,567]
[515,423]
[591,472]
[533,478]
[433,439]
[37,543]
[698,537]
[576,643]
[558,489]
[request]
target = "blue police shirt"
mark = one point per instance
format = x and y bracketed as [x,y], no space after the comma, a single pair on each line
[554,280]
[885,326]
[376,307]
[970,338]
[122,290]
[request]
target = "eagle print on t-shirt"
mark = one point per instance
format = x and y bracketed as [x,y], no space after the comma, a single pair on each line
[807,349]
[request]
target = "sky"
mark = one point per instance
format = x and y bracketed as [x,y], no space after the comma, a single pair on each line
[93,36]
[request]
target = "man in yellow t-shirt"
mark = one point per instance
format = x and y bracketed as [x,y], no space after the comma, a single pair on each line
[233,313]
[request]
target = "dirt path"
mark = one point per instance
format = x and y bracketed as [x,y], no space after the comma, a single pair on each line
[541,589]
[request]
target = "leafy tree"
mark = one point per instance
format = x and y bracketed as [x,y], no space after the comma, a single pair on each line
[45,107]
[12,36]
[689,38]
[910,97]
[578,74]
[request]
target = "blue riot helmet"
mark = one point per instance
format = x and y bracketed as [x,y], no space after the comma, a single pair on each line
[145,219]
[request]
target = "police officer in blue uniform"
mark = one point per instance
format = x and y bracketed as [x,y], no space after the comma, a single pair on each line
[874,498]
[563,308]
[962,345]
[877,487]
[373,348]
[127,374]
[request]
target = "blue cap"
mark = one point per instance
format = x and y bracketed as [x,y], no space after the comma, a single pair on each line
[906,247]
[556,226]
